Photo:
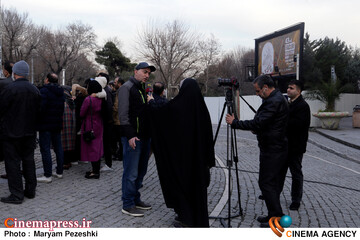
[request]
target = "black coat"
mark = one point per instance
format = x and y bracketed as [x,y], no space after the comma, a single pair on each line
[107,107]
[19,109]
[298,125]
[182,141]
[158,101]
[4,82]
[52,108]
[78,103]
[269,123]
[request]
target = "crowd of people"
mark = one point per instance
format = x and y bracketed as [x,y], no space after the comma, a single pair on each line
[117,120]
[110,120]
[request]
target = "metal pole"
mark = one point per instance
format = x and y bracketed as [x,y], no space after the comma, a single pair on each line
[32,69]
[63,77]
[297,66]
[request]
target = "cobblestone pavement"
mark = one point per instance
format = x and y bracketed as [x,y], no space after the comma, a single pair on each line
[331,191]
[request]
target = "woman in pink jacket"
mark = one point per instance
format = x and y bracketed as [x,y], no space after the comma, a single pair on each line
[91,114]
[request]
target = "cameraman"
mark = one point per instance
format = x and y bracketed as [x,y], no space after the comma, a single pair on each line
[269,124]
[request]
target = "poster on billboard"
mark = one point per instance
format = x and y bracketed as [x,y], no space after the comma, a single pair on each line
[279,54]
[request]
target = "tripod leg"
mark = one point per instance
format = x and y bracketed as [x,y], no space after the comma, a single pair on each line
[236,160]
[230,152]
[229,156]
[238,188]
[219,124]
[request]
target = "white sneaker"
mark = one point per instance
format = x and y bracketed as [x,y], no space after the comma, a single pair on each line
[57,175]
[44,179]
[105,168]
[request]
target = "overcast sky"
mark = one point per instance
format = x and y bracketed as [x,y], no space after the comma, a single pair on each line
[233,22]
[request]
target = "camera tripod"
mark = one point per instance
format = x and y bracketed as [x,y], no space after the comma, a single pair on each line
[231,155]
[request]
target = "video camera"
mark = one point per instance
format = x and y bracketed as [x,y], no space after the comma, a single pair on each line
[148,89]
[230,82]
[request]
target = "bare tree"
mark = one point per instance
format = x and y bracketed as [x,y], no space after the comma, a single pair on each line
[47,50]
[117,41]
[30,42]
[20,35]
[234,64]
[209,52]
[64,47]
[173,48]
[80,70]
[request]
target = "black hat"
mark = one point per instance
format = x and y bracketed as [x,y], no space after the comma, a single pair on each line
[145,65]
[94,87]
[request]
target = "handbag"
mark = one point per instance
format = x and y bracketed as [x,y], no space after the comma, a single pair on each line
[89,135]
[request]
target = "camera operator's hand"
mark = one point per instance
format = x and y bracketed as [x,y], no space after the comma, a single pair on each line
[229,118]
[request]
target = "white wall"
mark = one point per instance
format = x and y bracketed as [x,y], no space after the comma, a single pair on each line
[215,105]
[347,102]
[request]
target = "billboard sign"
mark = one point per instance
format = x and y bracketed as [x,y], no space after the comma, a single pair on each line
[280,53]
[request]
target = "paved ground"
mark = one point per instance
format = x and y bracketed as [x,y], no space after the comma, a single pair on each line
[331,189]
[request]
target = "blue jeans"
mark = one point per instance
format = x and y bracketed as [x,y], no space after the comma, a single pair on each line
[135,162]
[45,141]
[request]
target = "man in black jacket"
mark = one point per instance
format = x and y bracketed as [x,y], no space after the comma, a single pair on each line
[50,126]
[7,70]
[297,133]
[136,141]
[269,124]
[19,108]
[159,89]
[157,99]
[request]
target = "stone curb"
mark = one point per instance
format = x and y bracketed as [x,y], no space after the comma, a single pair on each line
[336,139]
[342,155]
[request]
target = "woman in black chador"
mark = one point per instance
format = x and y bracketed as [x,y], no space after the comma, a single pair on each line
[182,141]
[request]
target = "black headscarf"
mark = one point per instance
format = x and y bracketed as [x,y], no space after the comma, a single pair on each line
[182,141]
[93,87]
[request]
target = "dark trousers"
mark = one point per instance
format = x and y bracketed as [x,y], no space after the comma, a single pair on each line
[77,147]
[135,163]
[45,141]
[95,167]
[69,157]
[17,151]
[271,180]
[117,145]
[295,165]
[107,139]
